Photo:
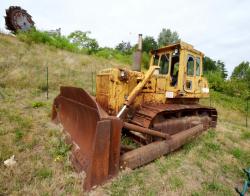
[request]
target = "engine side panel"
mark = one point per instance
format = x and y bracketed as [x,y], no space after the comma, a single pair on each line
[114,85]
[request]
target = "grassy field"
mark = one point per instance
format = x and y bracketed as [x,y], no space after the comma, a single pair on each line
[209,165]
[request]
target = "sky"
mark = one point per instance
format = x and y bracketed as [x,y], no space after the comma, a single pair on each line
[218,28]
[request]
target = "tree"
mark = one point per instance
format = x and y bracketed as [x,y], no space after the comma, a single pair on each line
[83,41]
[209,65]
[149,43]
[166,37]
[215,80]
[221,67]
[124,47]
[241,72]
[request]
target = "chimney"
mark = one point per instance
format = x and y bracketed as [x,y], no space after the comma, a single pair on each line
[138,55]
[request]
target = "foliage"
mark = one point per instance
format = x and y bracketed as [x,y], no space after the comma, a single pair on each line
[149,43]
[83,41]
[242,71]
[167,36]
[107,53]
[209,65]
[124,47]
[145,60]
[215,80]
[221,67]
[35,36]
[235,87]
[230,87]
[110,53]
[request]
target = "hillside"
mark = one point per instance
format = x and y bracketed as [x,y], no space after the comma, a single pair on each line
[209,165]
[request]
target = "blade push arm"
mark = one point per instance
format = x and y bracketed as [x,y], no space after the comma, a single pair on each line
[137,90]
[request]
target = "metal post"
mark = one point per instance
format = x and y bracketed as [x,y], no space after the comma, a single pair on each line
[47,75]
[247,114]
[210,100]
[92,82]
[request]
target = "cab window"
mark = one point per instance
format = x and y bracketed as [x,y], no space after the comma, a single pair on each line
[164,64]
[174,69]
[156,59]
[190,65]
[198,67]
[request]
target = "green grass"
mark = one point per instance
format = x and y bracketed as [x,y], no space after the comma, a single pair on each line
[175,182]
[38,104]
[217,188]
[135,179]
[212,147]
[245,135]
[242,155]
[18,134]
[58,149]
[165,164]
[235,103]
[44,173]
[129,142]
[208,165]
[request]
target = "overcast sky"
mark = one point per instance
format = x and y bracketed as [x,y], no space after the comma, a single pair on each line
[220,29]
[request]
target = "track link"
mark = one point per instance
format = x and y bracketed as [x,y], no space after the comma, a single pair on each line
[148,113]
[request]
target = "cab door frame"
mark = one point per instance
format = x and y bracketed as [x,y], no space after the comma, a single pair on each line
[195,78]
[189,82]
[162,80]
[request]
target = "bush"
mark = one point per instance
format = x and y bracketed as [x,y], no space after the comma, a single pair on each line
[236,88]
[34,36]
[145,60]
[109,53]
[215,80]
[232,87]
[83,41]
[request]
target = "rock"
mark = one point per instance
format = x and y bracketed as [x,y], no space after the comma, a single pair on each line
[10,162]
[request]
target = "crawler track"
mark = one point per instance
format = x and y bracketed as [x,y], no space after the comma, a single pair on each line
[173,118]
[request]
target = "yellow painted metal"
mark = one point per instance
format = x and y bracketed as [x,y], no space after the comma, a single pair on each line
[116,86]
[141,84]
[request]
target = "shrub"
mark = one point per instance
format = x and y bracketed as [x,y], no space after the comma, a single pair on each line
[83,41]
[215,80]
[145,60]
[109,53]
[34,36]
[236,88]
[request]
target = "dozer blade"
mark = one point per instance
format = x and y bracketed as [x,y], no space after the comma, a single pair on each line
[95,136]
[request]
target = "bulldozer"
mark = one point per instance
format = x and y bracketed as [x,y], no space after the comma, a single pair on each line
[158,110]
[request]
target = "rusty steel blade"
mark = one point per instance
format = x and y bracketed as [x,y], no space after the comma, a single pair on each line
[95,135]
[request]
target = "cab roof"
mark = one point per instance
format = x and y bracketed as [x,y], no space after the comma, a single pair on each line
[179,45]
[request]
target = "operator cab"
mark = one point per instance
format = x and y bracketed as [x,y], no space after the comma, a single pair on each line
[181,66]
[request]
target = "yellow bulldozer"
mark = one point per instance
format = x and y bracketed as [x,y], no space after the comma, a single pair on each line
[158,110]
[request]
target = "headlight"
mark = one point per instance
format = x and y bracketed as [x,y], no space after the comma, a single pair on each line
[123,75]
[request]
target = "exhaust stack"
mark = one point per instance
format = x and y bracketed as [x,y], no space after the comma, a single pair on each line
[138,56]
